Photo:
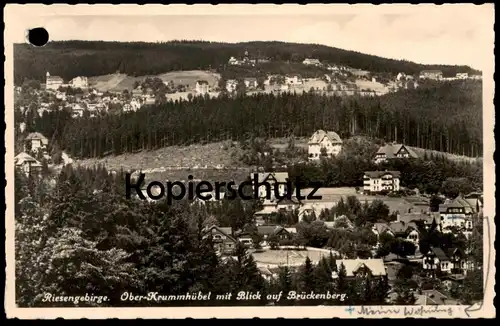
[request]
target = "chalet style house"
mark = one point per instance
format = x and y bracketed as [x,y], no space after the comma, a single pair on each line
[222,239]
[35,141]
[323,143]
[27,164]
[381,181]
[278,179]
[457,213]
[453,261]
[407,231]
[392,151]
[361,267]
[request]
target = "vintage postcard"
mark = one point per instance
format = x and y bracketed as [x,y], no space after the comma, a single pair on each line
[240,161]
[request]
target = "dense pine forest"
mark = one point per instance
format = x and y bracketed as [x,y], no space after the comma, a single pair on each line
[69,59]
[445,117]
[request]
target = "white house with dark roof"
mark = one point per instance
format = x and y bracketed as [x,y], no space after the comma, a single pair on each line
[457,213]
[328,142]
[451,261]
[278,179]
[27,163]
[393,151]
[380,181]
[223,240]
[36,141]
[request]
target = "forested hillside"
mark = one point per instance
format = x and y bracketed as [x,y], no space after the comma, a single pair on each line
[447,117]
[69,59]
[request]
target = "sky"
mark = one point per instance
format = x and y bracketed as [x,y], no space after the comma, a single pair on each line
[428,34]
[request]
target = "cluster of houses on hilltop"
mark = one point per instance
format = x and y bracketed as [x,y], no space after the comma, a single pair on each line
[438,75]
[246,60]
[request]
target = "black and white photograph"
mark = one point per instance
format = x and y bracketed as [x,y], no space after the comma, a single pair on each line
[275,161]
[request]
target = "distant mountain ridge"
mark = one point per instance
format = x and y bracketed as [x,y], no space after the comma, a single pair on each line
[69,59]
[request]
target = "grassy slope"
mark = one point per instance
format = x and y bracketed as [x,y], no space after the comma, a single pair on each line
[177,162]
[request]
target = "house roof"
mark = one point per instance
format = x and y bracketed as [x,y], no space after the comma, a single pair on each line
[391,150]
[286,201]
[318,136]
[395,227]
[279,176]
[379,174]
[458,202]
[411,217]
[376,266]
[201,82]
[23,157]
[54,78]
[35,135]
[269,229]
[440,254]
[455,251]
[431,297]
[224,230]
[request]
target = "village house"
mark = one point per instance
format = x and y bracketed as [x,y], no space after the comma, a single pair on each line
[454,261]
[433,298]
[401,76]
[274,179]
[231,85]
[222,239]
[407,231]
[202,87]
[276,232]
[462,75]
[53,82]
[475,200]
[431,74]
[426,218]
[457,213]
[361,267]
[35,141]
[27,164]
[393,151]
[327,143]
[250,83]
[275,206]
[314,208]
[233,61]
[311,62]
[79,82]
[381,181]
[77,110]
[293,80]
[214,197]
